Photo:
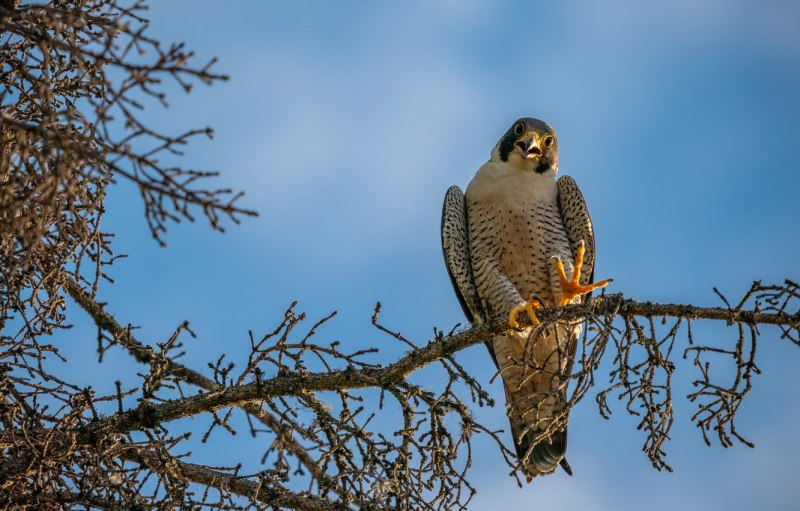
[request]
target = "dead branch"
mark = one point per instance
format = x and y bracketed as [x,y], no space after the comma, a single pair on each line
[77,77]
[642,379]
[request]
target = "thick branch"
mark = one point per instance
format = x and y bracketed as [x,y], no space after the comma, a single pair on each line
[619,305]
[296,384]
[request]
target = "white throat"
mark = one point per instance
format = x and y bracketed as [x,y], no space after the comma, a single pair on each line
[521,164]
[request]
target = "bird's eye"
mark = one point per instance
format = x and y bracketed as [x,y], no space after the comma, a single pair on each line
[548,140]
[519,128]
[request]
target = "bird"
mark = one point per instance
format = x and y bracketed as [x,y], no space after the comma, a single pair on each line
[516,241]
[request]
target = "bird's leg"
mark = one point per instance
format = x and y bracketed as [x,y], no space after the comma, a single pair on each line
[570,288]
[530,307]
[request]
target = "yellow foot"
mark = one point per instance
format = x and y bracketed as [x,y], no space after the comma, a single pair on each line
[531,306]
[570,288]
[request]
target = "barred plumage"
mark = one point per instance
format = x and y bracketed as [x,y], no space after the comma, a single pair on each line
[498,241]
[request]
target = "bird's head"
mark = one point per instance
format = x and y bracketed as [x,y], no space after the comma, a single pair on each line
[529,144]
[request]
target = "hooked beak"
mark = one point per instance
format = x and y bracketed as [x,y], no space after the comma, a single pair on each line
[528,143]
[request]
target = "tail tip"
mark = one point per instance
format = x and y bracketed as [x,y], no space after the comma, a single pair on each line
[565,465]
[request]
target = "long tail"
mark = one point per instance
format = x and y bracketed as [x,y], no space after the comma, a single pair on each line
[535,370]
[544,456]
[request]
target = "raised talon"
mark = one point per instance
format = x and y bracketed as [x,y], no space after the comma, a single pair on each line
[570,288]
[530,307]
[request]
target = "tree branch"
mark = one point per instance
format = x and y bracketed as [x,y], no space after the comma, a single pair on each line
[296,384]
[146,355]
[266,489]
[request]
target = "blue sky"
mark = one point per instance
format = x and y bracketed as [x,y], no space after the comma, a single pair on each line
[346,122]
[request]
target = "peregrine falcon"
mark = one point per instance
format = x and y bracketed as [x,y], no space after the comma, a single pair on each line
[517,234]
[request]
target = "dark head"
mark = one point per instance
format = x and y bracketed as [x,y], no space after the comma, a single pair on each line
[530,144]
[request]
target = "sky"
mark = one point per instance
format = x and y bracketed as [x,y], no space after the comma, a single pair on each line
[345,122]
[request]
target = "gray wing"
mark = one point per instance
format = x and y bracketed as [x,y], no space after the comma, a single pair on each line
[577,224]
[455,247]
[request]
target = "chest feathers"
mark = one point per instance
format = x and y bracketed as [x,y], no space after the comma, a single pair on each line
[514,217]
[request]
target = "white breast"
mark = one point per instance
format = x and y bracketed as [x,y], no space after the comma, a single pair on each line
[527,227]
